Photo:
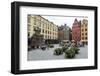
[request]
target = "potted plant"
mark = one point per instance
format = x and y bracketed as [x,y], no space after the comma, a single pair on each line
[76,49]
[70,53]
[64,48]
[51,45]
[58,51]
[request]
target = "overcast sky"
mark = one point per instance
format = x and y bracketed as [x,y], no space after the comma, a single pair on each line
[61,20]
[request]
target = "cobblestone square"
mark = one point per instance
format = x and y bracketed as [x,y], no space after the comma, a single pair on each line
[38,54]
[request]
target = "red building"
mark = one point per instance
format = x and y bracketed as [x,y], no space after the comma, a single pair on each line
[76,31]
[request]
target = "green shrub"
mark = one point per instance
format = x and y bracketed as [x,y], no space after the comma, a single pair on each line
[50,45]
[51,41]
[58,51]
[64,48]
[76,49]
[70,53]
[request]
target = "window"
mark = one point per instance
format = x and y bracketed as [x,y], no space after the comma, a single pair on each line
[43,31]
[82,29]
[50,37]
[48,32]
[45,37]
[82,33]
[85,29]
[43,25]
[53,29]
[85,24]
[28,34]
[33,28]
[48,26]
[85,33]
[86,38]
[39,23]
[34,20]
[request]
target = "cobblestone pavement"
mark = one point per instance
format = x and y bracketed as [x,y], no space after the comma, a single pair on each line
[39,54]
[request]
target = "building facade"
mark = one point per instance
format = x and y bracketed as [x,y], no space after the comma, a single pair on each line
[64,33]
[48,29]
[76,31]
[84,31]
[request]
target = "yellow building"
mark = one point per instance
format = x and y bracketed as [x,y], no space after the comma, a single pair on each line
[48,29]
[84,31]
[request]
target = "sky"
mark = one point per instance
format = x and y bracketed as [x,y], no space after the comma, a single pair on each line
[61,20]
